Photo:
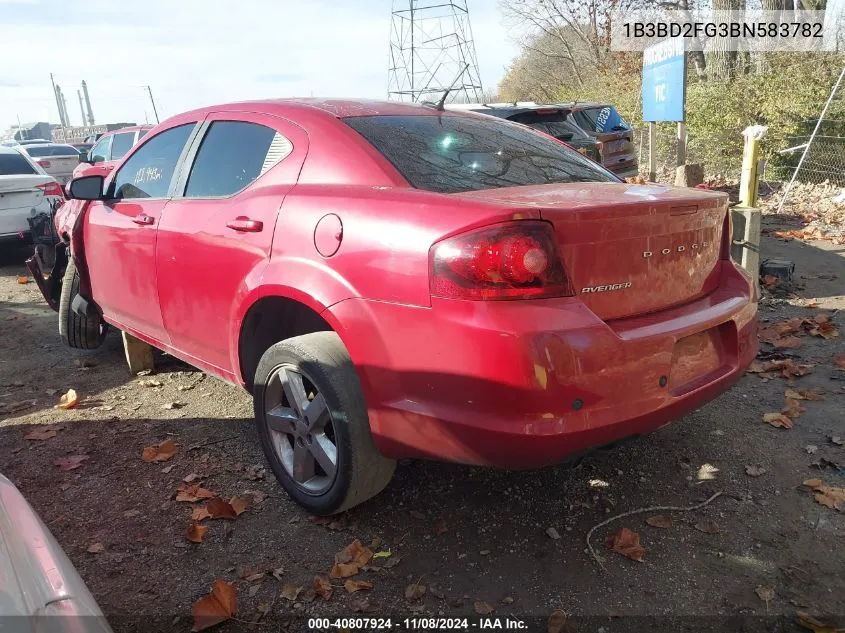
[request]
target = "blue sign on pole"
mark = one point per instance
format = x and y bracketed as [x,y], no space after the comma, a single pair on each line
[664,81]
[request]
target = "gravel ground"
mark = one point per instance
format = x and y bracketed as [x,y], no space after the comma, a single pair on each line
[469,535]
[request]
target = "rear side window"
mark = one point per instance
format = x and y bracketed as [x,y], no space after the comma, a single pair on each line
[121,144]
[14,164]
[600,119]
[232,155]
[451,154]
[148,172]
[52,150]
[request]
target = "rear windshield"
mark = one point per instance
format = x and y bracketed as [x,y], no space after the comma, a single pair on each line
[52,150]
[451,154]
[12,164]
[600,119]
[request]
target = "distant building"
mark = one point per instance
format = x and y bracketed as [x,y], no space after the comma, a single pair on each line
[26,131]
[79,133]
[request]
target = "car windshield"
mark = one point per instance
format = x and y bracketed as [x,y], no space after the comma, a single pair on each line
[13,164]
[52,150]
[600,119]
[453,153]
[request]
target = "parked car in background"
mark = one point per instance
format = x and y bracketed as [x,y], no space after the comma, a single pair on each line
[57,160]
[604,123]
[553,120]
[41,590]
[26,191]
[109,149]
[82,148]
[397,281]
[33,141]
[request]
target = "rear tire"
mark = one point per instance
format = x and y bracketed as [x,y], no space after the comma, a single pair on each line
[79,332]
[320,365]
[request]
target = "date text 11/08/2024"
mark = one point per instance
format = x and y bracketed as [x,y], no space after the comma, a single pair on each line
[418,624]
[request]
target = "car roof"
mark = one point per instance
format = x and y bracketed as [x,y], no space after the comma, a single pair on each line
[505,110]
[583,105]
[9,149]
[37,145]
[131,128]
[338,108]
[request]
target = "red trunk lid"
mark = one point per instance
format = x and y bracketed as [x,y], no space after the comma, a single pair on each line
[629,249]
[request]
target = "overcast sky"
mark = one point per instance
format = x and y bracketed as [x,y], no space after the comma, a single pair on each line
[202,52]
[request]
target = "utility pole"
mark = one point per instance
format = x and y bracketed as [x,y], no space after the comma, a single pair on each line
[56,95]
[155,112]
[88,103]
[81,106]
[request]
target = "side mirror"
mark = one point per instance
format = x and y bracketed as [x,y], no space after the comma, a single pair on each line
[84,157]
[94,159]
[86,188]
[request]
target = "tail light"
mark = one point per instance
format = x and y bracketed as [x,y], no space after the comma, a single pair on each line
[52,189]
[517,260]
[44,163]
[727,237]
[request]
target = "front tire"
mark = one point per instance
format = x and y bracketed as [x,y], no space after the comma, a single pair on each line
[79,332]
[313,424]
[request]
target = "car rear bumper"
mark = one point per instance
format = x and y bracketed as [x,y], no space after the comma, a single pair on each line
[526,384]
[42,590]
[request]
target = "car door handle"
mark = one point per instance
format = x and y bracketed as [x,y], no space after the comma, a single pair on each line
[143,219]
[245,225]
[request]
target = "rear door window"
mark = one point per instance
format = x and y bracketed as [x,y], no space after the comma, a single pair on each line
[452,153]
[121,144]
[232,155]
[52,150]
[148,172]
[14,164]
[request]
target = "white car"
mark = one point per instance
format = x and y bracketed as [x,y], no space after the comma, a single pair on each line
[57,160]
[26,191]
[39,588]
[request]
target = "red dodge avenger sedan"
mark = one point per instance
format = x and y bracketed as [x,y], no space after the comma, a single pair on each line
[392,280]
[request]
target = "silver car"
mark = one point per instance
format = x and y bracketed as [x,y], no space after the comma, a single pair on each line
[57,160]
[26,191]
[38,584]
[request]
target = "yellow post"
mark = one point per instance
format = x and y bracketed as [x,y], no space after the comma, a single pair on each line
[749,181]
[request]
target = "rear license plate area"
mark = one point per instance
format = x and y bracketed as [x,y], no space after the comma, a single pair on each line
[701,358]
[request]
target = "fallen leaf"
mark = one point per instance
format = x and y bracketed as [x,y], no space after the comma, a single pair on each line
[160,453]
[766,594]
[291,591]
[792,408]
[755,471]
[811,449]
[166,470]
[323,587]
[131,513]
[392,562]
[344,570]
[172,405]
[440,527]
[239,504]
[804,394]
[149,383]
[416,514]
[352,586]
[839,441]
[277,573]
[825,329]
[69,400]
[770,281]
[660,521]
[70,463]
[483,608]
[816,626]
[627,543]
[708,526]
[192,493]
[558,623]
[23,280]
[96,548]
[384,554]
[355,553]
[40,435]
[195,532]
[414,591]
[787,342]
[257,496]
[199,513]
[829,496]
[219,509]
[215,607]
[778,420]
[189,479]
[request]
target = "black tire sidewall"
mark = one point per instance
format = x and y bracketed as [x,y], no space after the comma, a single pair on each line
[329,501]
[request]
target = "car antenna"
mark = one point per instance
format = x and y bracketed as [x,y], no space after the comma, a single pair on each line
[440,105]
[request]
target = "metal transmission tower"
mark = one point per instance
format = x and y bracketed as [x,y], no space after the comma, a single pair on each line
[431,50]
